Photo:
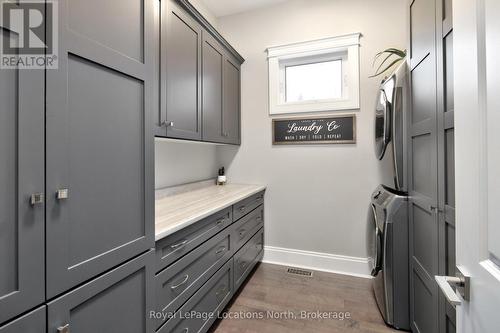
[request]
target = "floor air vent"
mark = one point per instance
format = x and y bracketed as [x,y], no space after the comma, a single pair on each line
[298,271]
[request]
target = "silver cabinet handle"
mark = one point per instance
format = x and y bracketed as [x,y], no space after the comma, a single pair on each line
[259,218]
[185,330]
[62,194]
[242,232]
[37,199]
[437,209]
[168,123]
[219,251]
[186,278]
[225,134]
[242,208]
[175,246]
[63,329]
[221,221]
[221,290]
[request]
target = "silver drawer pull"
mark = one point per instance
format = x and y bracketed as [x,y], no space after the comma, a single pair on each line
[219,251]
[168,123]
[175,246]
[243,264]
[62,194]
[242,232]
[221,221]
[259,198]
[242,208]
[259,218]
[186,278]
[186,330]
[37,199]
[63,329]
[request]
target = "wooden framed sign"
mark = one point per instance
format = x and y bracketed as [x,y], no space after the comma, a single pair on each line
[314,130]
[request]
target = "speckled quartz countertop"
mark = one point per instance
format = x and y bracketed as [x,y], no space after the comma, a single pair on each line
[175,211]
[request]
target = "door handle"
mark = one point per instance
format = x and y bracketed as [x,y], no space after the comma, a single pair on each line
[62,194]
[462,283]
[63,329]
[37,199]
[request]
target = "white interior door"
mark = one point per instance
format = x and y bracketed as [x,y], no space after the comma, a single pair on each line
[477,136]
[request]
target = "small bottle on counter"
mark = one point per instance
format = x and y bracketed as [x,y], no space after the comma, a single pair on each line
[221,178]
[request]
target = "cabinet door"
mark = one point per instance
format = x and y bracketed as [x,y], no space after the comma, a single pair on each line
[118,301]
[21,175]
[181,73]
[213,62]
[99,140]
[231,114]
[33,322]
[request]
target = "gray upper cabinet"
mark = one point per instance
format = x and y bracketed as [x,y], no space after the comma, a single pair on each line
[199,78]
[213,64]
[117,301]
[21,176]
[231,109]
[180,88]
[99,140]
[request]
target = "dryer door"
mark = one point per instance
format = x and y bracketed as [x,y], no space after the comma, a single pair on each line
[376,244]
[382,124]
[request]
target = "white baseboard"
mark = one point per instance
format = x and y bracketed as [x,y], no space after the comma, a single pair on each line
[325,262]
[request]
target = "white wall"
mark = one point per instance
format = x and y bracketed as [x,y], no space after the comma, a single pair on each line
[180,163]
[318,196]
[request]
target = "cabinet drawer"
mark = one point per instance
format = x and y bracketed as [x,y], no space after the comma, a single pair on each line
[33,322]
[247,226]
[245,206]
[246,258]
[178,282]
[117,301]
[208,301]
[172,247]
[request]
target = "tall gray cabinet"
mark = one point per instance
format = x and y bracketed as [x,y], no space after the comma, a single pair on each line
[199,78]
[76,179]
[22,241]
[431,164]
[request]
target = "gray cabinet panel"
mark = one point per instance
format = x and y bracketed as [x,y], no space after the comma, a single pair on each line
[209,300]
[246,227]
[21,174]
[178,282]
[245,206]
[118,301]
[213,62]
[33,322]
[231,107]
[181,41]
[99,146]
[247,257]
[180,243]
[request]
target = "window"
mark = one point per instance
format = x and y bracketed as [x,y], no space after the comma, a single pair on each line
[320,75]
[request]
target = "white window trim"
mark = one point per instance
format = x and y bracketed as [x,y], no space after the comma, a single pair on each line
[334,47]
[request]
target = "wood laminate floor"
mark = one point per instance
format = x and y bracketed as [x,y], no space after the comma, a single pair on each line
[276,300]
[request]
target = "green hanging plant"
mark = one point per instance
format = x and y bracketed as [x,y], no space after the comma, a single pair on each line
[395,55]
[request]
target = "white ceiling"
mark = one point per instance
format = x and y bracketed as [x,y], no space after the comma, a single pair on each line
[228,7]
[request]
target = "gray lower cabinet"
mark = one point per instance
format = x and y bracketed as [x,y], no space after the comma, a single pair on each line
[207,302]
[219,255]
[22,243]
[117,301]
[199,78]
[99,141]
[178,282]
[32,322]
[246,258]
